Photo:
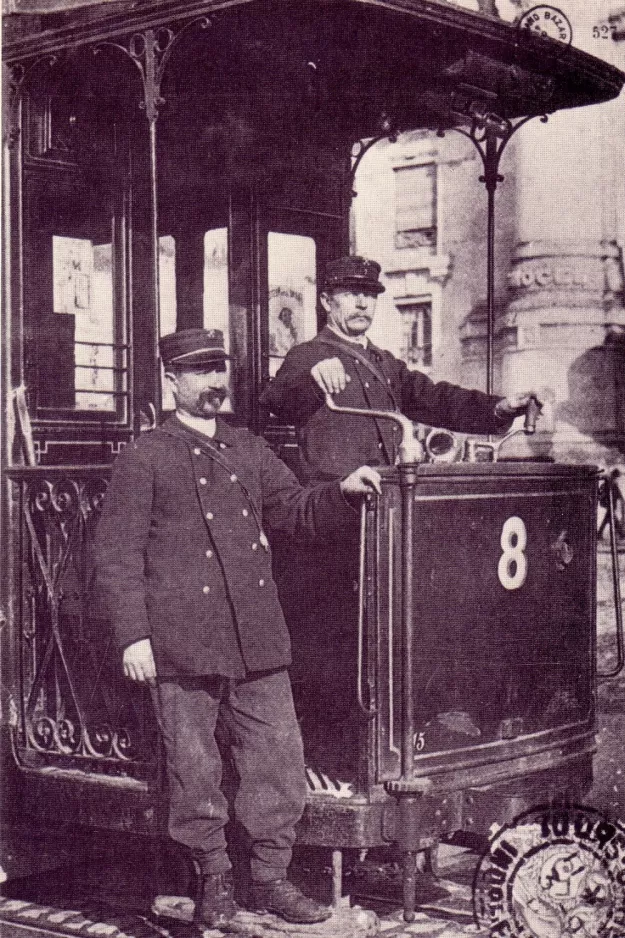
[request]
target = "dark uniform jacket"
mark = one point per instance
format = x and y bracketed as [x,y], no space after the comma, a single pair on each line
[181,552]
[334,444]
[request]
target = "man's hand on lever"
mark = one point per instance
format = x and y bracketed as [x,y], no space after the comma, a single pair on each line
[138,662]
[362,481]
[526,402]
[330,375]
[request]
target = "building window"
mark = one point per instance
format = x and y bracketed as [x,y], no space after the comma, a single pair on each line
[417,333]
[415,206]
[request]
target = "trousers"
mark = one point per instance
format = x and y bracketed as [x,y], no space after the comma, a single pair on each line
[266,746]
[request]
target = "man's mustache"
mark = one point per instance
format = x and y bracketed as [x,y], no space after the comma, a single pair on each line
[212,396]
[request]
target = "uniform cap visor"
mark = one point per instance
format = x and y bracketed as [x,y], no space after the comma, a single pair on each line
[355,284]
[198,357]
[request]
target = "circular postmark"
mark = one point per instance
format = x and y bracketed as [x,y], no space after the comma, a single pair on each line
[553,873]
[547,21]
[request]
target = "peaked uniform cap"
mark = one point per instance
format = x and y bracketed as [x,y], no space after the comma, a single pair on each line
[193,347]
[353,271]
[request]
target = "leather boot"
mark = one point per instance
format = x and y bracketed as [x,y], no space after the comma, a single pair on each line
[215,906]
[289,902]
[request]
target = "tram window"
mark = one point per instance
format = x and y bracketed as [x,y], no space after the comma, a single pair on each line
[213,283]
[292,274]
[216,299]
[167,283]
[167,302]
[86,361]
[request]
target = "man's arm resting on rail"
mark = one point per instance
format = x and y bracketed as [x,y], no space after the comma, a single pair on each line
[331,377]
[310,513]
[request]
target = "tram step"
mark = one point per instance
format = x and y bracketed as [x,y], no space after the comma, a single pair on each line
[345,922]
[22,919]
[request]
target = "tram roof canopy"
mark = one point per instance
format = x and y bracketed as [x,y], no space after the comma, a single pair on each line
[359,65]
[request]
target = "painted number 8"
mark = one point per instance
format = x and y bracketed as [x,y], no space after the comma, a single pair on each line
[512,568]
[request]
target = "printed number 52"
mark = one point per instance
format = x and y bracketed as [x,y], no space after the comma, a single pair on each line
[512,567]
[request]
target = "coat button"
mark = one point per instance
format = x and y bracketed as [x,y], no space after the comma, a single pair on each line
[261,582]
[197,451]
[245,512]
[380,445]
[206,589]
[366,384]
[210,515]
[254,546]
[233,478]
[209,554]
[222,446]
[202,481]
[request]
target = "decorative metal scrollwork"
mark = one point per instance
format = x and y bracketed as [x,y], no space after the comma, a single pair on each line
[123,744]
[562,551]
[388,131]
[99,739]
[490,134]
[19,73]
[74,703]
[150,51]
[67,737]
[42,733]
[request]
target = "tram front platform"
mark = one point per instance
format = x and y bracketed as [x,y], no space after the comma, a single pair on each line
[112,902]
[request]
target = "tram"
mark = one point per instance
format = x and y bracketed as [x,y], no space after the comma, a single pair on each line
[160,161]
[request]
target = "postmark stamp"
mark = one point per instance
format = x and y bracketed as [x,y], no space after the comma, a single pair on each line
[547,21]
[553,873]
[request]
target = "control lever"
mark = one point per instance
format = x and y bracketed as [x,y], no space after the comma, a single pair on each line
[410,448]
[474,447]
[532,413]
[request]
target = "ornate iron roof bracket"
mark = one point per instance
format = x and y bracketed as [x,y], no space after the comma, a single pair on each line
[387,132]
[150,52]
[490,134]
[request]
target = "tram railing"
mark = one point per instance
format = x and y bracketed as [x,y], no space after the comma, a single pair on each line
[74,711]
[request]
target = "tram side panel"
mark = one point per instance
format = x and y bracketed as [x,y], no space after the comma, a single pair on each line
[504,624]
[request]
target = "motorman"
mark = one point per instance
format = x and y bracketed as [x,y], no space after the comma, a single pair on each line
[341,360]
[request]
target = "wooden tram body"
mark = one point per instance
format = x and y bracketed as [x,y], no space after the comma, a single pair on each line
[140,133]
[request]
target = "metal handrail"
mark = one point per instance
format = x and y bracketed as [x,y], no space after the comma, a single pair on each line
[410,449]
[369,712]
[616,585]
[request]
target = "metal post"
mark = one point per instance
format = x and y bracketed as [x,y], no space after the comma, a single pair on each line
[337,878]
[491,179]
[407,482]
[490,134]
[406,789]
[155,243]
[149,51]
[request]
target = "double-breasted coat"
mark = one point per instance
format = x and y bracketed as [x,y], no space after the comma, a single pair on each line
[181,551]
[333,444]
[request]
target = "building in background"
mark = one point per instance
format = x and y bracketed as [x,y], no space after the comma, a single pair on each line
[560,234]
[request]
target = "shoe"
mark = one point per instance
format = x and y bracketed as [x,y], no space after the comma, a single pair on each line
[215,905]
[289,902]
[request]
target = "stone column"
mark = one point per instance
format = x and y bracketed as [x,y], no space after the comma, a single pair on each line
[563,330]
